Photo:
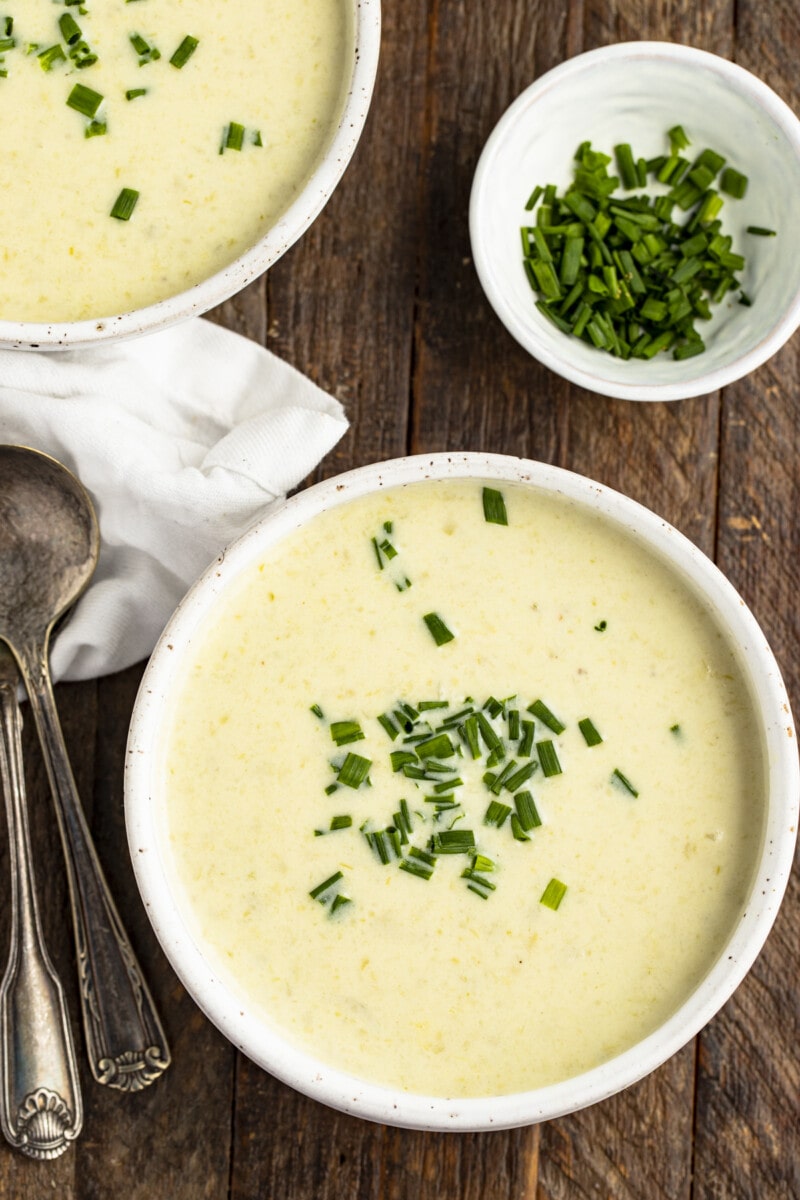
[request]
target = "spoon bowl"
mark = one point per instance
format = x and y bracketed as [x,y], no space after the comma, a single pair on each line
[49,540]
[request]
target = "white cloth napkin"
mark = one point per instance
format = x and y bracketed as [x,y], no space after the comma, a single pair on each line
[182,439]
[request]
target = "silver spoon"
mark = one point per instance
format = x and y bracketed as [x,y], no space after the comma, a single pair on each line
[48,550]
[40,1099]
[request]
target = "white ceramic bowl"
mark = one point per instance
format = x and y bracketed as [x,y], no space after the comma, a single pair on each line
[634,92]
[163,896]
[68,335]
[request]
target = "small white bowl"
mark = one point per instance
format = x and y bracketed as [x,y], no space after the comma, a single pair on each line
[69,335]
[239,1020]
[634,92]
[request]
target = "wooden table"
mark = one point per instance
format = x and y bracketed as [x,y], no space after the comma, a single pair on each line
[380,303]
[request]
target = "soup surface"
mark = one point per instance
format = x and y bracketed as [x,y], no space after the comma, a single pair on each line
[276,70]
[524,870]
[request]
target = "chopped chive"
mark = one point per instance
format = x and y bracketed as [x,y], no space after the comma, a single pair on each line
[514,781]
[526,741]
[494,507]
[454,841]
[438,746]
[184,51]
[70,30]
[317,711]
[491,739]
[527,812]
[339,900]
[388,724]
[553,894]
[233,138]
[623,781]
[49,57]
[354,770]
[134,93]
[402,758]
[543,713]
[124,204]
[317,892]
[497,814]
[517,830]
[95,129]
[341,822]
[145,51]
[437,629]
[589,731]
[331,788]
[601,626]
[676,729]
[760,231]
[344,732]
[470,732]
[548,758]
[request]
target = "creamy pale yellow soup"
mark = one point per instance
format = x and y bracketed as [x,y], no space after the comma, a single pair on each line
[278,68]
[422,982]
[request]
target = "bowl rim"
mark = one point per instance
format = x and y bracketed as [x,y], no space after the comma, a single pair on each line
[336,1088]
[698,384]
[290,226]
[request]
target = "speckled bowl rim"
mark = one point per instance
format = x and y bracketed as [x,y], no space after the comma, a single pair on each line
[383,1104]
[198,299]
[698,382]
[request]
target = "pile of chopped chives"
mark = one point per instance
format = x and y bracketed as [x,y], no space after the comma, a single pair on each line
[429,743]
[629,275]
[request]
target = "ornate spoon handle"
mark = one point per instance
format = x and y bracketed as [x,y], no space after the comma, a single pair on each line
[126,1044]
[40,1099]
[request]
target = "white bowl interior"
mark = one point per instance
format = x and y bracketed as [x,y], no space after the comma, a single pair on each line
[231,1011]
[29,335]
[635,92]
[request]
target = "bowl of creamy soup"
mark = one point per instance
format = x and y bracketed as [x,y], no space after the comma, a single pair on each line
[461,791]
[171,152]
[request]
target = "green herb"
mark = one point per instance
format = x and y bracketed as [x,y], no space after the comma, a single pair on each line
[184,51]
[257,141]
[497,814]
[622,273]
[553,894]
[589,731]
[760,231]
[623,781]
[318,892]
[518,831]
[548,758]
[494,507]
[70,30]
[419,862]
[526,741]
[317,711]
[438,746]
[341,822]
[453,841]
[124,204]
[95,129]
[49,57]
[233,137]
[144,50]
[85,101]
[354,770]
[601,626]
[676,729]
[345,732]
[515,780]
[543,714]
[437,629]
[134,93]
[527,812]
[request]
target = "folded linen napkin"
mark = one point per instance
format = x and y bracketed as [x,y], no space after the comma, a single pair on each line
[182,438]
